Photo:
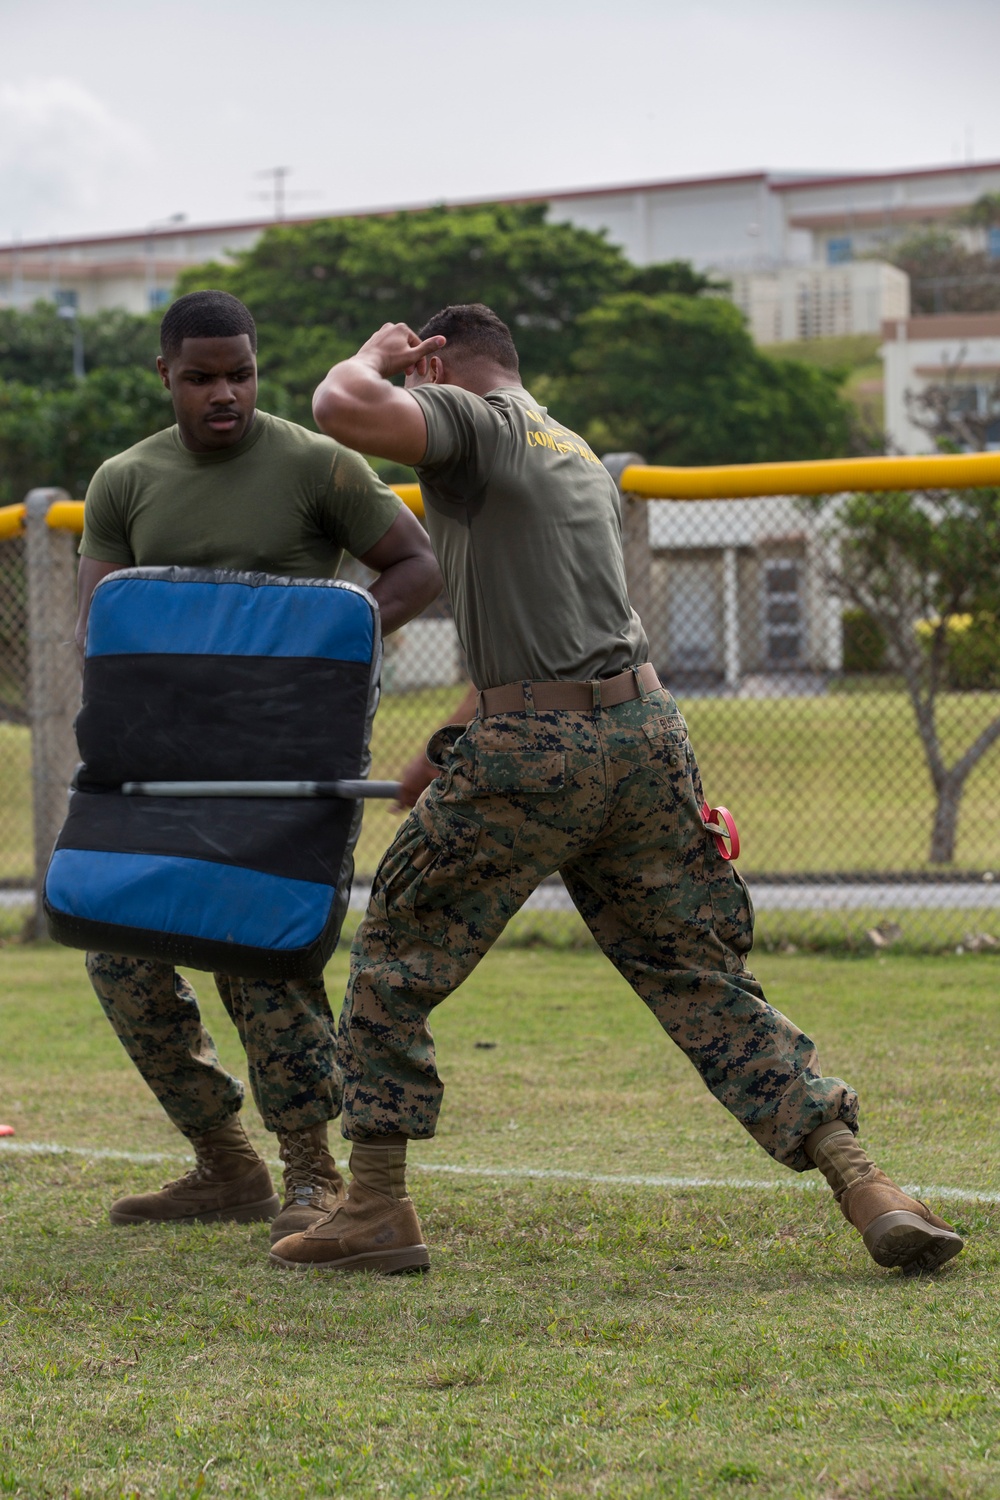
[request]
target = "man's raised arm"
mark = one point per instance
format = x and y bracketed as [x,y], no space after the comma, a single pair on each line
[357,405]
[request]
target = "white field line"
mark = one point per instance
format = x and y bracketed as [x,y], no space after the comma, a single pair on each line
[795,1181]
[941,895]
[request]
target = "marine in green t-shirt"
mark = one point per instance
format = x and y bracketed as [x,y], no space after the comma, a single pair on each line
[280,500]
[231,487]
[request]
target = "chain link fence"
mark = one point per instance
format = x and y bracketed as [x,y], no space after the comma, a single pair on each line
[799,722]
[16,855]
[802,727]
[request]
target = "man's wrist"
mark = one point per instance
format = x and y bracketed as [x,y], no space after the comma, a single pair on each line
[375,361]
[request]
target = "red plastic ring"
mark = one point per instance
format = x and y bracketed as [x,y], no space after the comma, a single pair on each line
[728,843]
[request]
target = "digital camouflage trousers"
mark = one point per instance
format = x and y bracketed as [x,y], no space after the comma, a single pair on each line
[286,1028]
[612,800]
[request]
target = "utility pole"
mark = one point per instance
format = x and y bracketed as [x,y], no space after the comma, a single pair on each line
[278,195]
[277,191]
[66,307]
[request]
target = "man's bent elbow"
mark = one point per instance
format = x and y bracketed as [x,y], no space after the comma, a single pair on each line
[433,582]
[327,408]
[342,416]
[423,584]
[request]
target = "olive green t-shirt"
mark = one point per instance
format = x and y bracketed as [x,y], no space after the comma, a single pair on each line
[526,524]
[282,500]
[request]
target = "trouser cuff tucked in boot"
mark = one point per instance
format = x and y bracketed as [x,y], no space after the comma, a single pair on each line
[897,1230]
[313,1186]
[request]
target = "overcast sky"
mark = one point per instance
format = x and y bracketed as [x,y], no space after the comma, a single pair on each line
[115,114]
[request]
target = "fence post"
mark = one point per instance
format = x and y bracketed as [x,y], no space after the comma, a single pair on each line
[635,535]
[53,676]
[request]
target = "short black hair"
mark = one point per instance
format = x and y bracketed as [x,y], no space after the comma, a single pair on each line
[205,315]
[475,329]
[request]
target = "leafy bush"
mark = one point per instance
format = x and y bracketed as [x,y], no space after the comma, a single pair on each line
[972,663]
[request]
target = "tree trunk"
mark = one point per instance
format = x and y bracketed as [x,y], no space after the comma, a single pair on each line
[945,829]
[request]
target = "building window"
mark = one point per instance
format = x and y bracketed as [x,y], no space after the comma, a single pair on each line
[839,250]
[782,612]
[159,296]
[993,243]
[66,301]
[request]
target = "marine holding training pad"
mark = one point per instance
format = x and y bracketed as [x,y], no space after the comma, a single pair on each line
[194,674]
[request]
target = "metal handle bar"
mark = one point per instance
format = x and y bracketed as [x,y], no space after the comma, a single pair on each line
[346,789]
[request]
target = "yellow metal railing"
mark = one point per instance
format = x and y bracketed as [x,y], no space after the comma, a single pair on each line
[411,497]
[720,482]
[824,476]
[11,521]
[67,515]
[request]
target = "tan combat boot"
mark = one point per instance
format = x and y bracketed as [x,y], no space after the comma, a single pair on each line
[229,1182]
[897,1230]
[375,1228]
[313,1186]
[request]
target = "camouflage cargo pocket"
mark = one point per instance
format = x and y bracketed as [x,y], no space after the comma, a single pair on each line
[670,755]
[424,875]
[666,732]
[732,908]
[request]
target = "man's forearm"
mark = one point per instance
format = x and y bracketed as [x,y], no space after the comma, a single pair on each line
[404,589]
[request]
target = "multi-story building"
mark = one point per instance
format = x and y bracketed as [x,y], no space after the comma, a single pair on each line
[955,355]
[797,248]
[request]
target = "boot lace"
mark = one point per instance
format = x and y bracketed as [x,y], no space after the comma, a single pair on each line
[303,1180]
[204,1161]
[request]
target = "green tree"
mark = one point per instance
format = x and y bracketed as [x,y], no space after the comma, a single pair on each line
[317,290]
[679,380]
[916,564]
[36,345]
[60,437]
[677,276]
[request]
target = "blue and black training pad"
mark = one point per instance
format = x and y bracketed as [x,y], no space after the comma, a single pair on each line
[193,674]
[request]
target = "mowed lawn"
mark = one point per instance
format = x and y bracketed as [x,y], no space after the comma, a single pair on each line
[16,853]
[580,1333]
[833,783]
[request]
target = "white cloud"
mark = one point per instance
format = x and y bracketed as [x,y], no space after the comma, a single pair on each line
[64,157]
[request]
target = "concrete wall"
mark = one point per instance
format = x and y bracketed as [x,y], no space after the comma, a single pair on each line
[961,348]
[814,301]
[713,223]
[132,271]
[868,210]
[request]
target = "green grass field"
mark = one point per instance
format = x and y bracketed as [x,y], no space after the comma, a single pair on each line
[579,1334]
[835,783]
[15,803]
